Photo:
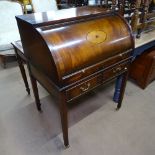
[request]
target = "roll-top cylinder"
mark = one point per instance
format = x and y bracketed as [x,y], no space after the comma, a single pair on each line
[83,44]
[61,48]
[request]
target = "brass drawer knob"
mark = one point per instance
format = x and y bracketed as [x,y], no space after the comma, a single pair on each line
[125,68]
[85,88]
[121,55]
[115,70]
[83,70]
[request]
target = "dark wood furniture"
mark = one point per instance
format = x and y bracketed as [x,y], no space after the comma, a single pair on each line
[69,57]
[71,3]
[4,56]
[140,14]
[143,16]
[17,45]
[21,59]
[122,6]
[143,68]
[142,45]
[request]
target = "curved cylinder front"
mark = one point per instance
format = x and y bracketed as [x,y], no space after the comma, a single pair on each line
[82,44]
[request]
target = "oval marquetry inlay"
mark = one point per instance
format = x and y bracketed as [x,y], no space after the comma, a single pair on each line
[96,37]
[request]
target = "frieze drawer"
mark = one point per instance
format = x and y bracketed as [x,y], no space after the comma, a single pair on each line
[115,71]
[84,87]
[97,67]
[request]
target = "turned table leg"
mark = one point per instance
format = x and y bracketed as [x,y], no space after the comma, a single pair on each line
[22,70]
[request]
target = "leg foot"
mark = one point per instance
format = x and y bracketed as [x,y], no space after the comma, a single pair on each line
[66,147]
[39,107]
[117,108]
[22,70]
[28,91]
[36,94]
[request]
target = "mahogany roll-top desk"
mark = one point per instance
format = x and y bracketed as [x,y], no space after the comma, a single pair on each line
[71,56]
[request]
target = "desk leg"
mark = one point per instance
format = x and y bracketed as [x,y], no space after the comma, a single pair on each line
[122,89]
[22,70]
[64,118]
[3,59]
[117,88]
[35,91]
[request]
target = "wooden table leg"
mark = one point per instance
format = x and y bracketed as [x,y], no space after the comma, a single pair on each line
[122,89]
[64,118]
[22,70]
[35,91]
[3,60]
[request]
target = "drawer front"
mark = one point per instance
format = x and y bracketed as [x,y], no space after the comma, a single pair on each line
[96,81]
[84,87]
[115,71]
[95,68]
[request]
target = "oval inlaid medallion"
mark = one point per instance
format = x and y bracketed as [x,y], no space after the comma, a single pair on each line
[96,37]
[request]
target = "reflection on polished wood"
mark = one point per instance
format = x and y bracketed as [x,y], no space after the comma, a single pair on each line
[69,57]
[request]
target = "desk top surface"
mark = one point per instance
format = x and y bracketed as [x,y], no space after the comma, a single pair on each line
[40,18]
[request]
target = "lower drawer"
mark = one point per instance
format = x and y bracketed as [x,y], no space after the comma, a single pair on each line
[96,81]
[84,87]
